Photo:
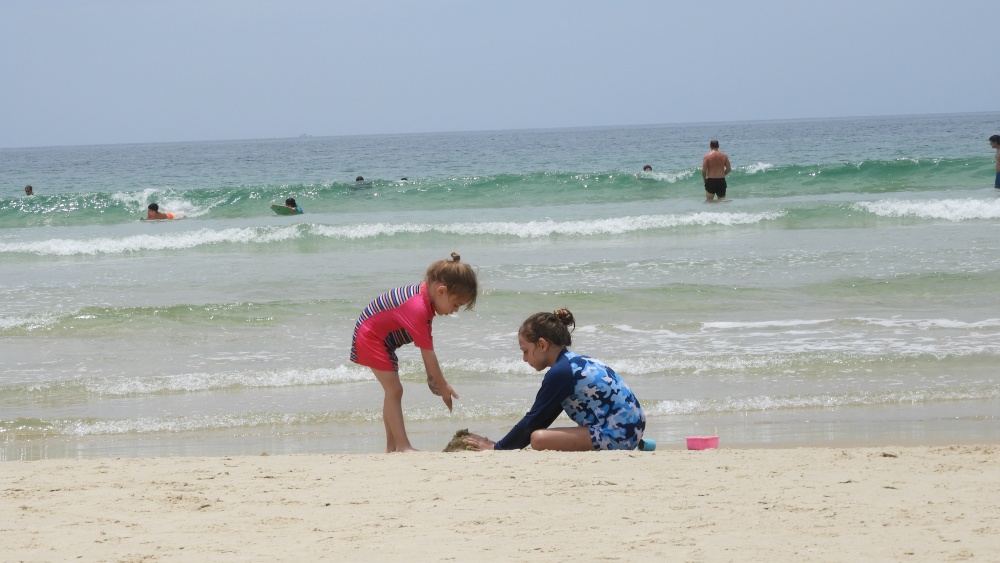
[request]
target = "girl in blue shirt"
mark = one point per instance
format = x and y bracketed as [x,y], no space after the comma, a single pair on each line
[607,414]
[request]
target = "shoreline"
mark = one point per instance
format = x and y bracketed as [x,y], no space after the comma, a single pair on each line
[114,449]
[429,438]
[913,503]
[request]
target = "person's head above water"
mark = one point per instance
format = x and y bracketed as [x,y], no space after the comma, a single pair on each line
[359,179]
[155,213]
[290,202]
[28,190]
[647,168]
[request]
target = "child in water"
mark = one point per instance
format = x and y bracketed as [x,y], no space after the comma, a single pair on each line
[404,315]
[153,212]
[290,203]
[591,393]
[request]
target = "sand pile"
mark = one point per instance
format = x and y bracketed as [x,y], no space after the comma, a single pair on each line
[457,444]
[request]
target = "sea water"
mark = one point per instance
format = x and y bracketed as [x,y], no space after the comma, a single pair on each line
[847,292]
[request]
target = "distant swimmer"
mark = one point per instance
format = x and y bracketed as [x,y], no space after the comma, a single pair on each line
[359,179]
[994,142]
[28,190]
[153,212]
[647,168]
[714,169]
[290,203]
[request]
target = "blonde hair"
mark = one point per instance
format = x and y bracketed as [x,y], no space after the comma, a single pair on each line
[554,327]
[457,276]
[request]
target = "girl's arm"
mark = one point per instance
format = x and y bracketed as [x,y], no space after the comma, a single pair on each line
[556,386]
[435,379]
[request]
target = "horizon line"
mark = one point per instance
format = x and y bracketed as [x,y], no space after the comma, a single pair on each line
[512,129]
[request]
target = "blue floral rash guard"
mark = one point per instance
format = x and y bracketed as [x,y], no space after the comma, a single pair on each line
[591,394]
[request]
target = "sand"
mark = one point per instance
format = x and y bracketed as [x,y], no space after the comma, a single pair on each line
[801,504]
[457,442]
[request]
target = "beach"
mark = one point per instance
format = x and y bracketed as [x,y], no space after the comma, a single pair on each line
[833,323]
[258,267]
[842,295]
[921,503]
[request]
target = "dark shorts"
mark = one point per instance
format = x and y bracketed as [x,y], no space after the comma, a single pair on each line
[716,186]
[996,184]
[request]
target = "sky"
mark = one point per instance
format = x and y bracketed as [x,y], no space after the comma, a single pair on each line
[108,72]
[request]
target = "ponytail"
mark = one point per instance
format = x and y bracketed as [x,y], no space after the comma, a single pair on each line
[554,327]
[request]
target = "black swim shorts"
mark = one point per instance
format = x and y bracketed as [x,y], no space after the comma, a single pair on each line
[716,186]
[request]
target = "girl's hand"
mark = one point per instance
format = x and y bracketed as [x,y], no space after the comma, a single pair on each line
[478,443]
[442,389]
[435,379]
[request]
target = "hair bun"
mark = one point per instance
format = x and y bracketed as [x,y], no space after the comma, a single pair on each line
[565,316]
[455,257]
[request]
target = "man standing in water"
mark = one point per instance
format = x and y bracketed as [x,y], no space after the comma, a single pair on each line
[714,168]
[995,143]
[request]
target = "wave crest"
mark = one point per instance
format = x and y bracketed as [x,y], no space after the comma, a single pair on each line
[537,229]
[948,209]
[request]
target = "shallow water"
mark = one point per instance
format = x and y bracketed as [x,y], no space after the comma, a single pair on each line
[844,294]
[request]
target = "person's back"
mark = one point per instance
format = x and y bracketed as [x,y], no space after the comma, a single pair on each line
[716,162]
[714,169]
[995,143]
[153,212]
[290,203]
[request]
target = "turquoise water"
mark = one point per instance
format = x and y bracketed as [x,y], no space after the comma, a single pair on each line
[845,294]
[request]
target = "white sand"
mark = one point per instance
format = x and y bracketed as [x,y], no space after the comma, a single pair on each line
[805,504]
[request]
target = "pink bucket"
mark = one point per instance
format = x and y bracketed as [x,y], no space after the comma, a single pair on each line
[703,442]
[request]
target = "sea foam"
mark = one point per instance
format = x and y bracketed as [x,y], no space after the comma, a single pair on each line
[538,229]
[757,167]
[948,209]
[139,243]
[761,403]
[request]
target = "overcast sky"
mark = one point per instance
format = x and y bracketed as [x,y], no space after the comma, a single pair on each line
[94,72]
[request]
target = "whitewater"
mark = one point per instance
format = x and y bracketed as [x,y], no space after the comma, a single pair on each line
[844,295]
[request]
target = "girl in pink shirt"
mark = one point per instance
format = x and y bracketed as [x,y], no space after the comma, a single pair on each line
[403,315]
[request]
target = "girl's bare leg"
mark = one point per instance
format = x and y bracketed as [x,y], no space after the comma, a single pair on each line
[573,439]
[390,444]
[392,412]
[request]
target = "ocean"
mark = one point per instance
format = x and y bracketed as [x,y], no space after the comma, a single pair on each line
[846,294]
